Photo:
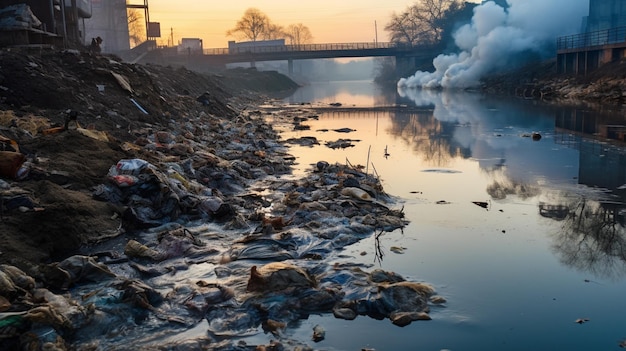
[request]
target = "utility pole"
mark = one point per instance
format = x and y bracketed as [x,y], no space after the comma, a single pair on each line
[376,32]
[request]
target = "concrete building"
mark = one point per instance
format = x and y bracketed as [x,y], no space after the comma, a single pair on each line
[58,22]
[606,14]
[109,21]
[602,40]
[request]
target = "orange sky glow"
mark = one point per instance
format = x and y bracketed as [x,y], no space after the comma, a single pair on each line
[329,21]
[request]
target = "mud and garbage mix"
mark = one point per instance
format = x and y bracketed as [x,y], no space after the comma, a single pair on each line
[142,202]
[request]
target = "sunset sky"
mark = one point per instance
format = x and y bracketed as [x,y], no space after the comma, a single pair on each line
[330,21]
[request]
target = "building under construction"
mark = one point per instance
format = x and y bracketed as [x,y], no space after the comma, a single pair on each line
[66,23]
[37,22]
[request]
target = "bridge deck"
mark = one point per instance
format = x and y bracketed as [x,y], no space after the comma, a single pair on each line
[306,51]
[404,54]
[302,47]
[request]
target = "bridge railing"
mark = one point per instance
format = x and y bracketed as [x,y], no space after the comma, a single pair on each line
[601,37]
[302,47]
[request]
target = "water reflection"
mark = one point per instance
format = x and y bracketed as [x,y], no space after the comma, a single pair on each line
[429,137]
[592,237]
[353,93]
[493,132]
[554,217]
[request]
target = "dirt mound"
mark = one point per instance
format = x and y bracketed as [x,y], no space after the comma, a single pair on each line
[52,212]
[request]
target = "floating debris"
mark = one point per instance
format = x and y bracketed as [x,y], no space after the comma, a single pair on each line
[397,249]
[318,333]
[440,170]
[534,135]
[340,143]
[482,204]
[303,141]
[344,130]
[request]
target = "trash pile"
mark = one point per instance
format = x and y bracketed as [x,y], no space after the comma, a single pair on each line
[267,261]
[139,227]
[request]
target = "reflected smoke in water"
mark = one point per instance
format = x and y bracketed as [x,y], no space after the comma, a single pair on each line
[591,237]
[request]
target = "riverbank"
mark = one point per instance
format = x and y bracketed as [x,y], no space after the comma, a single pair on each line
[115,177]
[604,86]
[120,158]
[121,105]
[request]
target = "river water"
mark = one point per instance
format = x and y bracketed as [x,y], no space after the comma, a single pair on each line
[517,275]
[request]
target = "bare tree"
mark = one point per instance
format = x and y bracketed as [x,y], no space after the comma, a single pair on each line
[423,22]
[405,28]
[136,27]
[252,25]
[298,34]
[273,31]
[433,14]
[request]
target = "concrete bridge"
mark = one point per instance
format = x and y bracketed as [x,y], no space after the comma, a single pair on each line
[405,56]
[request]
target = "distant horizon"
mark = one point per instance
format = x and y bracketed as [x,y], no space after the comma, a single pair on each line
[350,21]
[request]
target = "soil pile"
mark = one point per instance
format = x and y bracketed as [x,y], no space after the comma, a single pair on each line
[51,211]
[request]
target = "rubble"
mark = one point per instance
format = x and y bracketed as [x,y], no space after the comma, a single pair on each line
[165,204]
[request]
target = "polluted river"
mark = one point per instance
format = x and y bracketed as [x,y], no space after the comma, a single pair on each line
[407,220]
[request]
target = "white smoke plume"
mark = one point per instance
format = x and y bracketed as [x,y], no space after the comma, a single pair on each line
[496,35]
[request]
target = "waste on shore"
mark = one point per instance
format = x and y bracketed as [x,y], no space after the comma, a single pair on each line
[209,234]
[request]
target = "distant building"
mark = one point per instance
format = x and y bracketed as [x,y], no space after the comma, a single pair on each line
[109,21]
[254,46]
[190,46]
[606,14]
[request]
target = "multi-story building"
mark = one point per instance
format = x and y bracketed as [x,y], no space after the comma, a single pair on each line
[602,39]
[606,14]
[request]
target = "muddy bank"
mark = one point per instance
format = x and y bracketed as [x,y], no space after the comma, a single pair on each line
[125,103]
[540,81]
[144,201]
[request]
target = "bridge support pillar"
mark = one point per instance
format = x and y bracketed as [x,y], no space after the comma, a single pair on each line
[405,65]
[290,67]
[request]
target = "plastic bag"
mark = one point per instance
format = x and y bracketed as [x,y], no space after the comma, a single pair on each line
[130,167]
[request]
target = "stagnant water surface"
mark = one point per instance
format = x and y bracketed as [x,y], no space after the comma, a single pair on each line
[546,251]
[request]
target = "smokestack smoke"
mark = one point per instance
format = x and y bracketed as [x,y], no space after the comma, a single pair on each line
[497,37]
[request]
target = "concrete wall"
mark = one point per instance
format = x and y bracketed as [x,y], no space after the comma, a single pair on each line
[605,14]
[108,21]
[586,60]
